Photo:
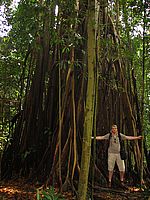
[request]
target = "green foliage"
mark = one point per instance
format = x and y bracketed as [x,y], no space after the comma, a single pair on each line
[48,194]
[10,72]
[146,124]
[3,140]
[25,24]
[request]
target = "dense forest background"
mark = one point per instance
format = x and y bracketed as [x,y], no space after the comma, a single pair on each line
[69,69]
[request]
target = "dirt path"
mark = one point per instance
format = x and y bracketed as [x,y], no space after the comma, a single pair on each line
[17,190]
[120,194]
[20,190]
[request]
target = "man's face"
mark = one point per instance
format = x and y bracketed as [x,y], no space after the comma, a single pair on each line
[114,129]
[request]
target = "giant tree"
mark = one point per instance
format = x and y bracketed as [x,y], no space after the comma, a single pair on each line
[60,53]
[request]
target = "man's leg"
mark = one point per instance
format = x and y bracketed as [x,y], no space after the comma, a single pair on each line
[122,176]
[110,176]
[122,180]
[111,164]
[121,166]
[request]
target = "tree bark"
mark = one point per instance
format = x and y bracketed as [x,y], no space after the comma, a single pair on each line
[89,110]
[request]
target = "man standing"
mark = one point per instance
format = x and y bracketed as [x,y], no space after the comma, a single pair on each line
[114,151]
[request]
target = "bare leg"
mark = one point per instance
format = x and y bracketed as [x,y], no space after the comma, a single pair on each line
[110,176]
[121,176]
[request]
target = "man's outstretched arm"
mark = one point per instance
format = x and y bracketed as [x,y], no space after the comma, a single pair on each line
[99,137]
[134,137]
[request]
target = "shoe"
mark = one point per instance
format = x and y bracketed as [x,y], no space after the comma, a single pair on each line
[123,185]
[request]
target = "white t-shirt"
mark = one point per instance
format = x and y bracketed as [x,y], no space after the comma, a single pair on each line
[114,145]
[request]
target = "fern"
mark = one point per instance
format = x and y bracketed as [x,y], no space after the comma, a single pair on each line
[48,194]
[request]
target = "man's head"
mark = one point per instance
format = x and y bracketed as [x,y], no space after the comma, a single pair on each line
[114,128]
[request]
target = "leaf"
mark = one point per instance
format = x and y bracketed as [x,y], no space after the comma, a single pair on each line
[38,194]
[47,195]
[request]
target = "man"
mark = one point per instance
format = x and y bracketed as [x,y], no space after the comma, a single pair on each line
[114,151]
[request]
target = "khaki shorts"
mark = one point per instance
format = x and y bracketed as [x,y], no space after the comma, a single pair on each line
[112,158]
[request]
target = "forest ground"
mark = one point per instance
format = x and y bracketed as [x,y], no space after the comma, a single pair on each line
[20,190]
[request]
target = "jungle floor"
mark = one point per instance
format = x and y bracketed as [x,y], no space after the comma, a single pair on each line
[20,190]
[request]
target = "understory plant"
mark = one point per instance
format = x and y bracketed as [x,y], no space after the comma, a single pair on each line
[48,194]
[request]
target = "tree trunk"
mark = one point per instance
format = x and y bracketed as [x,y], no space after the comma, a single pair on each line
[89,110]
